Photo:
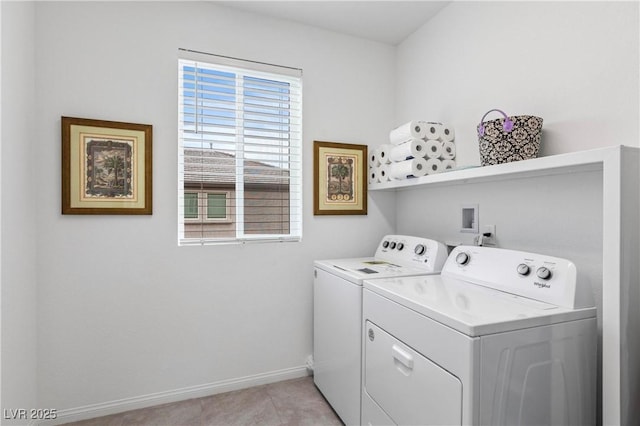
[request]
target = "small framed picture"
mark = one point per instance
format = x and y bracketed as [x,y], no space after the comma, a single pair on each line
[106,167]
[340,178]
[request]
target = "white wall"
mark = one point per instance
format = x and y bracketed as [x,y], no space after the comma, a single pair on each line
[123,311]
[18,229]
[575,64]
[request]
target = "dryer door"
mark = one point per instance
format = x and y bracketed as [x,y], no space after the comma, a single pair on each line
[411,389]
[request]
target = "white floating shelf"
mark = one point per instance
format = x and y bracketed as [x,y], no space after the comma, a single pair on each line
[543,166]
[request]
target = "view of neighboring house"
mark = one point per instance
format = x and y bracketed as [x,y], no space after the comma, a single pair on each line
[211,208]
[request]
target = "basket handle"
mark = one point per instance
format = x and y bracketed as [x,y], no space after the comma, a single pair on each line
[507,126]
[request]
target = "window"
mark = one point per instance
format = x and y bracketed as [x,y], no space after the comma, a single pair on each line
[191,208]
[216,206]
[206,206]
[239,151]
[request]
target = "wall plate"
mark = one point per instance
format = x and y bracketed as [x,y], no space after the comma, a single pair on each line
[469,218]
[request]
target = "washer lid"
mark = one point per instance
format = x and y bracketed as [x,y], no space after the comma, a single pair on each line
[359,269]
[472,309]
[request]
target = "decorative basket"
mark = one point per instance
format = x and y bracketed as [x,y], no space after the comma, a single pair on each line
[509,139]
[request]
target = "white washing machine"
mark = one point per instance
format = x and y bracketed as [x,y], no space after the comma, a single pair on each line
[337,313]
[501,337]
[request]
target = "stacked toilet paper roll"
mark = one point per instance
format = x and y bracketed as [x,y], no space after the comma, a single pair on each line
[407,131]
[413,167]
[417,148]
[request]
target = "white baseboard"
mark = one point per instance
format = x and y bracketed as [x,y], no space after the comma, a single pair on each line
[199,391]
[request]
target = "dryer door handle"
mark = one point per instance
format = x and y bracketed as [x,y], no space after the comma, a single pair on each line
[402,356]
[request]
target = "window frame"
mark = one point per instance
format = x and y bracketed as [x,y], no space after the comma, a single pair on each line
[235,204]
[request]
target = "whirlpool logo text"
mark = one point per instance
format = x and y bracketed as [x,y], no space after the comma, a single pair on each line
[542,285]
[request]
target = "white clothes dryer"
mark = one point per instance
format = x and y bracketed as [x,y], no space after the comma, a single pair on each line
[337,313]
[501,337]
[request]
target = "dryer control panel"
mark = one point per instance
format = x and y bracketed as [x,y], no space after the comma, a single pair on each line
[536,276]
[412,251]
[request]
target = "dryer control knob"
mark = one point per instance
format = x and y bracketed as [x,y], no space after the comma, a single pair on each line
[420,249]
[392,245]
[523,269]
[385,244]
[543,273]
[463,258]
[400,246]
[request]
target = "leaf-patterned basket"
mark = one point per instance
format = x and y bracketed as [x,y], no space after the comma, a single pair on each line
[509,139]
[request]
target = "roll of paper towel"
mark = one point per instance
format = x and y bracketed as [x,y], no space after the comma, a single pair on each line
[448,151]
[406,132]
[448,165]
[384,153]
[433,148]
[433,130]
[434,165]
[383,173]
[415,167]
[415,148]
[448,133]
[373,175]
[373,158]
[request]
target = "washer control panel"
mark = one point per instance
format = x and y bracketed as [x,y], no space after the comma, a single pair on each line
[412,251]
[536,276]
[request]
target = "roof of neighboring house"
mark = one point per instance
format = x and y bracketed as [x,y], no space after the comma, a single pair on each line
[217,167]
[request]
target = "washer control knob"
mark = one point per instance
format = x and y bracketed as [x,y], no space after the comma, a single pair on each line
[523,269]
[400,246]
[420,249]
[385,244]
[543,273]
[463,258]
[392,245]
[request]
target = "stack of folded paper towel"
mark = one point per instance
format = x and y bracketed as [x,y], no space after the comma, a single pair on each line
[416,148]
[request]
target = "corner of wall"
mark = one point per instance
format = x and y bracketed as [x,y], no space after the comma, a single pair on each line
[18,288]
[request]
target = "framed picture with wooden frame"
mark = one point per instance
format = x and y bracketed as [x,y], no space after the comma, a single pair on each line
[340,178]
[106,167]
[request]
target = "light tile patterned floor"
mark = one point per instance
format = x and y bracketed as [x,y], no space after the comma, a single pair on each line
[294,402]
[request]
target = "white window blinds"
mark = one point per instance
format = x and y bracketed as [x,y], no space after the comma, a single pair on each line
[239,152]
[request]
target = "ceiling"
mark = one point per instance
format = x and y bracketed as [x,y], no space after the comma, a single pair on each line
[384,21]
